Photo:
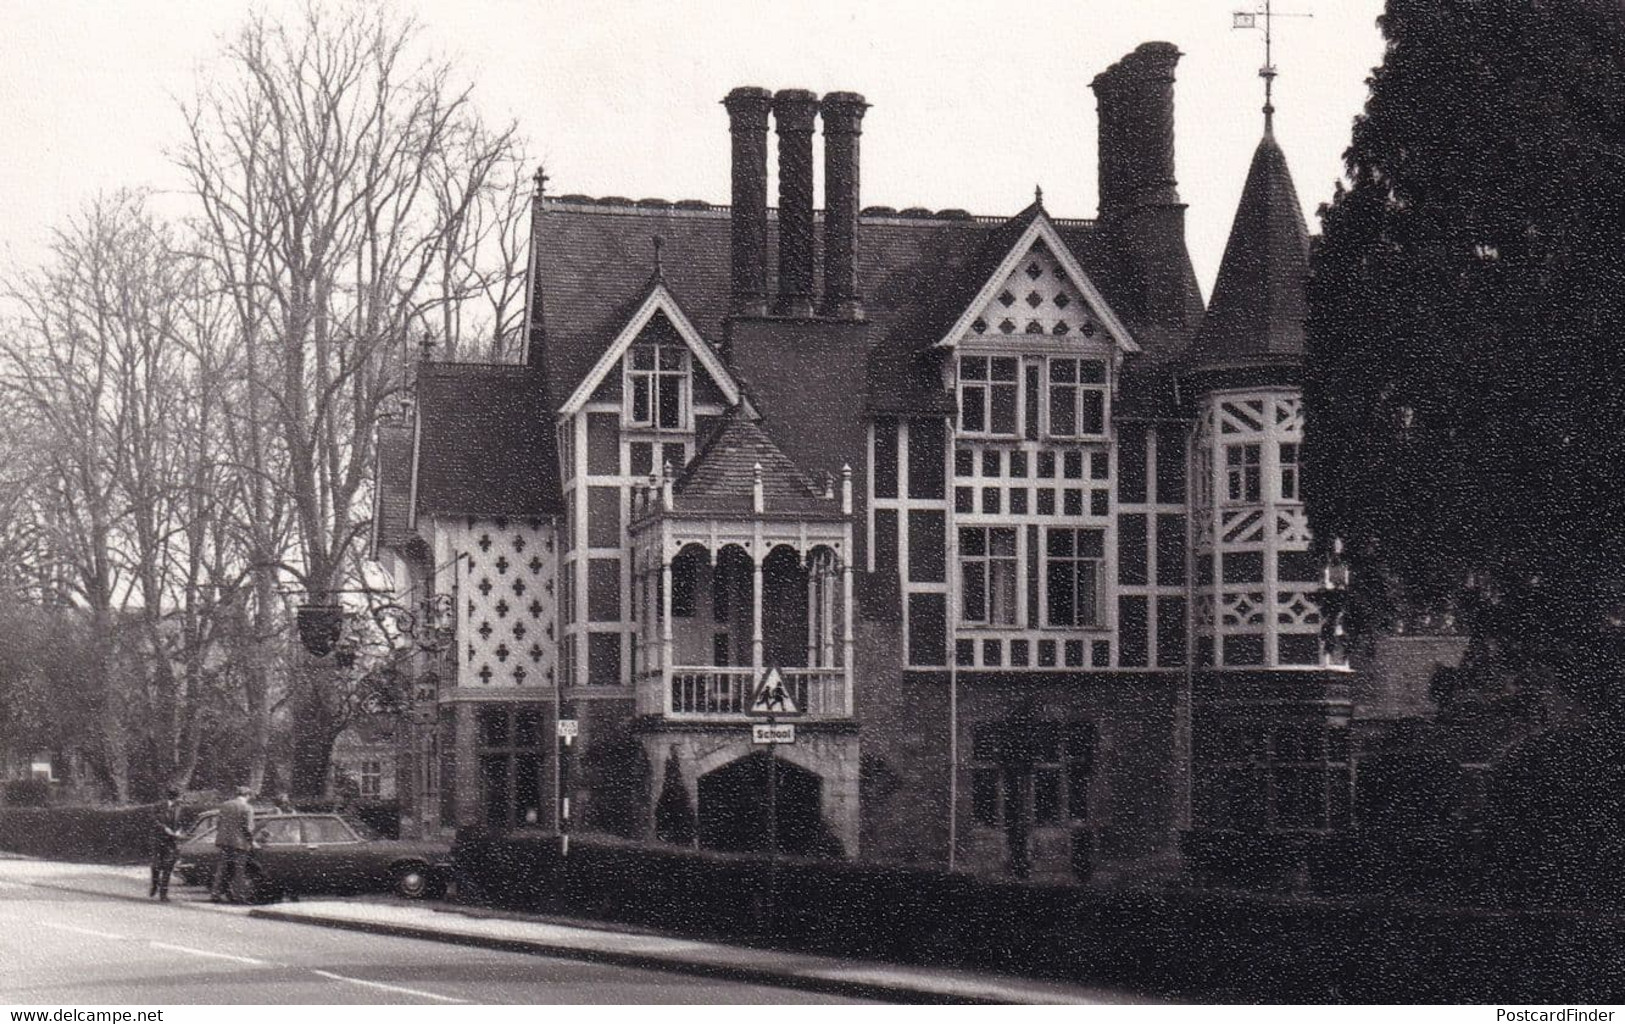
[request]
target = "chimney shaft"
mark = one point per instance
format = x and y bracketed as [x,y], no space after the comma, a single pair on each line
[793,113]
[843,124]
[747,123]
[1136,102]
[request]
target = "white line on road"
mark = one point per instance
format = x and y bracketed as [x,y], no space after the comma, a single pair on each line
[389,988]
[206,952]
[82,931]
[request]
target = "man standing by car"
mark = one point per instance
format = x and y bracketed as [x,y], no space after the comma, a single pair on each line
[166,832]
[234,839]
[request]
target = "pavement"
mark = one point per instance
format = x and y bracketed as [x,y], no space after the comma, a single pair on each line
[593,942]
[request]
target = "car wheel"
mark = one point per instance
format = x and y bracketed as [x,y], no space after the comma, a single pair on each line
[413,881]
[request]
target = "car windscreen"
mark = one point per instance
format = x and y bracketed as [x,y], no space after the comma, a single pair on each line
[327,830]
[278,832]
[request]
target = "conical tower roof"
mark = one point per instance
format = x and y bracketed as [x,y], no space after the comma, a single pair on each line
[1259,304]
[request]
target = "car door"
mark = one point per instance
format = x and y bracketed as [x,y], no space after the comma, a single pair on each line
[276,846]
[332,853]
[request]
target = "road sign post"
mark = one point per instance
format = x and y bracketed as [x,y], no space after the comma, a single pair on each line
[567,730]
[770,700]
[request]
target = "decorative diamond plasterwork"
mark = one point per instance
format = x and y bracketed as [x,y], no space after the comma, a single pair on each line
[506,575]
[1040,283]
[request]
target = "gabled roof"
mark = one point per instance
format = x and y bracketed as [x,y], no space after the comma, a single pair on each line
[591,269]
[485,442]
[917,272]
[722,478]
[1031,227]
[657,301]
[1259,300]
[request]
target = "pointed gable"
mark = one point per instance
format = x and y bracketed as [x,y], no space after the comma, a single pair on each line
[1036,287]
[1259,301]
[661,314]
[722,478]
[1037,297]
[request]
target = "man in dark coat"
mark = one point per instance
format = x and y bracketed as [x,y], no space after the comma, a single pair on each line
[234,840]
[166,834]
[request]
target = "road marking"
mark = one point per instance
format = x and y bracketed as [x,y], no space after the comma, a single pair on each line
[207,953]
[388,988]
[83,931]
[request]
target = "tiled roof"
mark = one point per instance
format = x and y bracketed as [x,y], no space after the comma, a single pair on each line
[593,264]
[486,444]
[722,478]
[1259,302]
[916,271]
[392,505]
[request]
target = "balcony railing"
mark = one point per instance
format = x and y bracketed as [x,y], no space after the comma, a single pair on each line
[726,692]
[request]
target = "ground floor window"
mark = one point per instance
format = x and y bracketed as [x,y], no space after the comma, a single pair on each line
[1286,775]
[1037,773]
[511,758]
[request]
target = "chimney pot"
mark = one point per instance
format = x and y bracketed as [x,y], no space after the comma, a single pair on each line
[794,111]
[843,124]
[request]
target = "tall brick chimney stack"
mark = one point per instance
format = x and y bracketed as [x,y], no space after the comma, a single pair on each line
[843,124]
[794,111]
[1140,210]
[1136,102]
[748,107]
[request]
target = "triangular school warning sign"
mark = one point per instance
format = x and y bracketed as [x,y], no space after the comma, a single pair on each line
[772,697]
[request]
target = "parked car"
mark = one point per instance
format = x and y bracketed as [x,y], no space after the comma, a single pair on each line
[296,853]
[205,821]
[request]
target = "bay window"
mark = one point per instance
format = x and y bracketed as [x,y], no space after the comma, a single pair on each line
[1291,473]
[1242,472]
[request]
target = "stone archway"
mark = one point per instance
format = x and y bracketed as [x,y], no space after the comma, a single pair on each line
[733,808]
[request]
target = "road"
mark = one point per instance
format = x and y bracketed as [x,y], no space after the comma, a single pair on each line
[72,936]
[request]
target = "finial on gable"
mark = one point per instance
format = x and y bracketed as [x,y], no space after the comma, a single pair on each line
[1038,194]
[660,272]
[540,178]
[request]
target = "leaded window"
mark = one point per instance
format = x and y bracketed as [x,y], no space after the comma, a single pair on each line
[1077,397]
[1291,473]
[1243,472]
[988,395]
[988,580]
[1072,576]
[658,383]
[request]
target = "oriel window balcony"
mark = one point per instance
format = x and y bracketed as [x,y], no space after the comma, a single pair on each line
[737,569]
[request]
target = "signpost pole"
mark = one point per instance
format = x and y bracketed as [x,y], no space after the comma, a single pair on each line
[772,826]
[769,700]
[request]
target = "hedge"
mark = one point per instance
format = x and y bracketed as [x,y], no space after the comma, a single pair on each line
[1199,944]
[96,835]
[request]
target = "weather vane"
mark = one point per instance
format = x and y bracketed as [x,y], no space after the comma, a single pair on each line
[1250,19]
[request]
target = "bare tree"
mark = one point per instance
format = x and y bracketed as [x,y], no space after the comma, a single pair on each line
[338,173]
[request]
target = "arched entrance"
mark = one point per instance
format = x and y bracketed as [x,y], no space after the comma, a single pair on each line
[734,808]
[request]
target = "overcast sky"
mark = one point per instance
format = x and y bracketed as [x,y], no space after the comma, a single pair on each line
[974,101]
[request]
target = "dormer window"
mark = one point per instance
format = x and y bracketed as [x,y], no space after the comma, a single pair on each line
[658,386]
[988,395]
[1077,397]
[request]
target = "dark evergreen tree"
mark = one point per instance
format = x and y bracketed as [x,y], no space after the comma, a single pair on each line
[1466,370]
